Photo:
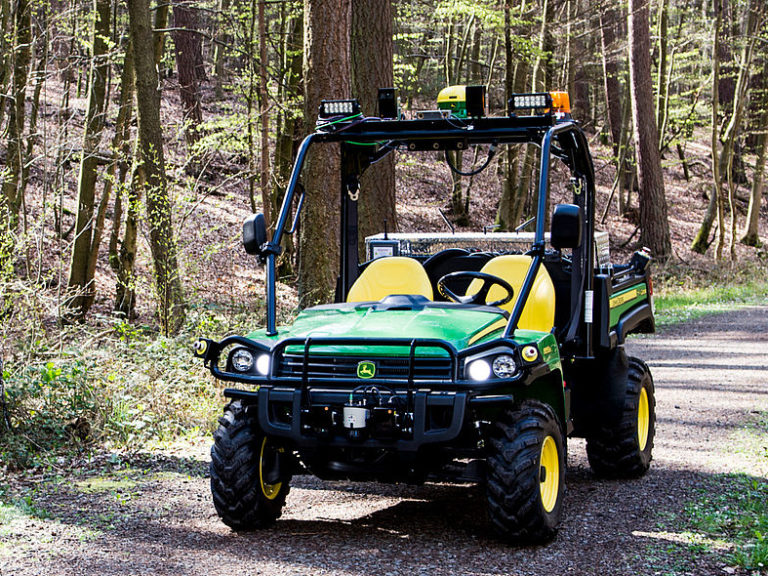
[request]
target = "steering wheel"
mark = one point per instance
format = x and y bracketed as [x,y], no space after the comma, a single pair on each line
[489,280]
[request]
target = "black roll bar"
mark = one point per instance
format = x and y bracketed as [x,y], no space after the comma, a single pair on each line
[502,130]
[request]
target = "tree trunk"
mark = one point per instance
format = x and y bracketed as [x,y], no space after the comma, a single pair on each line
[578,79]
[125,291]
[609,21]
[288,124]
[515,79]
[150,171]
[701,241]
[264,116]
[654,226]
[121,154]
[79,280]
[221,40]
[6,54]
[11,198]
[733,129]
[39,75]
[187,44]
[372,68]
[751,235]
[158,36]
[661,82]
[326,75]
[455,56]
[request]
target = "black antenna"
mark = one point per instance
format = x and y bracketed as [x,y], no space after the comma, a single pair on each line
[445,219]
[386,237]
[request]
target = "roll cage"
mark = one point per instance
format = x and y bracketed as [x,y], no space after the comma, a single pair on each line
[364,141]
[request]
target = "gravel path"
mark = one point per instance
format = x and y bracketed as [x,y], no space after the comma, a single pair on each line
[153,515]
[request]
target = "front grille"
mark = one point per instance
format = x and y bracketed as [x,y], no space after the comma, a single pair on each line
[387,368]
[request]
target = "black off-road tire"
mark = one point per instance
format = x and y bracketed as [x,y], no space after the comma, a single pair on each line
[516,477]
[242,500]
[618,451]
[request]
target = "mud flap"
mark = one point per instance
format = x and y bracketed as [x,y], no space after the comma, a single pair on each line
[598,389]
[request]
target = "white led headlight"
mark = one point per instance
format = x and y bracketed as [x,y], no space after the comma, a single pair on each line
[479,370]
[262,364]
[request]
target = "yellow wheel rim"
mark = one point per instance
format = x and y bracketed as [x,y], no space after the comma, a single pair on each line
[270,491]
[549,474]
[643,419]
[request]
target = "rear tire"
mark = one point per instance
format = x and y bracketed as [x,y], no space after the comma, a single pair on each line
[626,449]
[526,474]
[249,475]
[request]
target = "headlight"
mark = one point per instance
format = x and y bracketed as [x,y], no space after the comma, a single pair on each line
[262,364]
[479,370]
[242,360]
[504,366]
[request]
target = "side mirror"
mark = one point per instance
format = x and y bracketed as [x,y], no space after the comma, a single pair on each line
[566,226]
[254,234]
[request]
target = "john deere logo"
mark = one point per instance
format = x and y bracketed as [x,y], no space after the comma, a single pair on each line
[366,370]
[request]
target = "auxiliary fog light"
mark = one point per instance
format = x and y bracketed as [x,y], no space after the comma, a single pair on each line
[479,370]
[262,364]
[504,366]
[242,360]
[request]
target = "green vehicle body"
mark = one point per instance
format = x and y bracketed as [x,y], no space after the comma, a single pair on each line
[383,390]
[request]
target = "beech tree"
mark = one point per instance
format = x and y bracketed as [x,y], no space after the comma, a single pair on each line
[149,171]
[654,225]
[15,154]
[187,44]
[751,233]
[326,76]
[87,238]
[371,69]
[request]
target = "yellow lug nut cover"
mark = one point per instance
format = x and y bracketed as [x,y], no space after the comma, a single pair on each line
[530,353]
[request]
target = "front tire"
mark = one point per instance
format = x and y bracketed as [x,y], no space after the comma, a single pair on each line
[526,474]
[249,472]
[626,449]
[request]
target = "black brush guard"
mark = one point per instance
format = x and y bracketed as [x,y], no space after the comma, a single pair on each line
[295,395]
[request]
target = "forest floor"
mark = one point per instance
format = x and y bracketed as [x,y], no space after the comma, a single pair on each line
[151,513]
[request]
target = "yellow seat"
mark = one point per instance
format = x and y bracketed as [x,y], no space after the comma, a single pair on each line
[388,276]
[539,311]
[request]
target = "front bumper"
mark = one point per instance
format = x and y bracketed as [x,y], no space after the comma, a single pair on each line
[268,402]
[422,409]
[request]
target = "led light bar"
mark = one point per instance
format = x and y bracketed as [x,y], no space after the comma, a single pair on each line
[539,101]
[333,108]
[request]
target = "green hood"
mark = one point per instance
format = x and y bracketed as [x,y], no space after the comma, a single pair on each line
[460,327]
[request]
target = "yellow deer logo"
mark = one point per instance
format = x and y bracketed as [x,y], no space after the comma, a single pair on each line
[366,370]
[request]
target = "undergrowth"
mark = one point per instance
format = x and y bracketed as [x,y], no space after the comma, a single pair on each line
[735,510]
[125,388]
[683,294]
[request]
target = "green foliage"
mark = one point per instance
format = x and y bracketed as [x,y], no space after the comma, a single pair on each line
[735,510]
[223,134]
[682,293]
[126,390]
[677,305]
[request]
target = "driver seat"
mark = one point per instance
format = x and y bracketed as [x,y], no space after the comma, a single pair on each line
[388,276]
[539,311]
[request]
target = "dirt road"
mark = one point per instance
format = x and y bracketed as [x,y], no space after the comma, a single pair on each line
[153,515]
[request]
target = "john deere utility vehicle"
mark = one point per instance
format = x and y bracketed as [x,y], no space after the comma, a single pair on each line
[439,360]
